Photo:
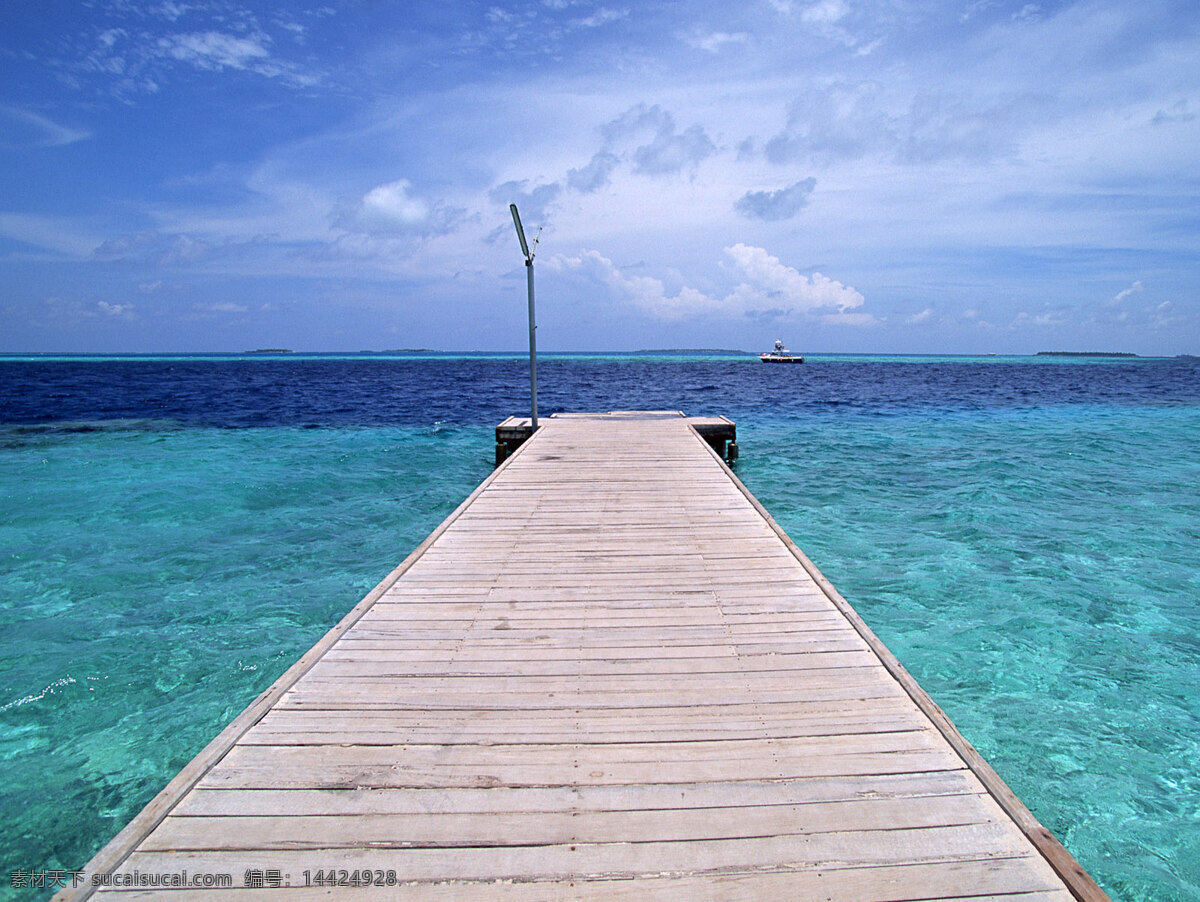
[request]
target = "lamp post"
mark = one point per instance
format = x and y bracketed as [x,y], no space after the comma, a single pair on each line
[528,252]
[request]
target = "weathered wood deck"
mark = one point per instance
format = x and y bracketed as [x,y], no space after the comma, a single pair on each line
[607,674]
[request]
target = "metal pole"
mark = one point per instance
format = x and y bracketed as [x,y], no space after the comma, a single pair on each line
[532,344]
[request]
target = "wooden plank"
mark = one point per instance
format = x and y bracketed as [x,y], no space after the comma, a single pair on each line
[998,879]
[565,861]
[780,666]
[316,773]
[426,830]
[637,797]
[598,680]
[354,728]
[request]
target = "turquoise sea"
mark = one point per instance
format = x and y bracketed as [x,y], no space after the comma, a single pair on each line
[1024,534]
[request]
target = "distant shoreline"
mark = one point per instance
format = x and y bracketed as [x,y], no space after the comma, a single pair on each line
[1085,354]
[549,354]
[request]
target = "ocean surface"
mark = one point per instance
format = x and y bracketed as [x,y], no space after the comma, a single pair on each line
[1024,534]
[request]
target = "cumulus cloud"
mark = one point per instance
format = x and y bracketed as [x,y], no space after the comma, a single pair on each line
[770,285]
[393,205]
[776,205]
[393,208]
[766,287]
[646,292]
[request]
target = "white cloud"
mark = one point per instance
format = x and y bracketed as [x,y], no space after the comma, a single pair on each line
[392,204]
[1135,288]
[1030,12]
[917,318]
[1164,316]
[601,17]
[118,310]
[23,128]
[712,42]
[646,292]
[392,209]
[213,50]
[1041,320]
[826,12]
[172,11]
[60,236]
[767,287]
[771,286]
[133,60]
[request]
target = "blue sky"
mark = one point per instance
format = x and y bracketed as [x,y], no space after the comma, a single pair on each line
[952,176]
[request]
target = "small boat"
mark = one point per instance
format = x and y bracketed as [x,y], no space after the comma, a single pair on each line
[780,354]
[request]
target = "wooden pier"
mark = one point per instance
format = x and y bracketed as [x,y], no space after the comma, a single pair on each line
[608,674]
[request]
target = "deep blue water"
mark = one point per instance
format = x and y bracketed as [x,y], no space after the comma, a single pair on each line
[371,390]
[1023,532]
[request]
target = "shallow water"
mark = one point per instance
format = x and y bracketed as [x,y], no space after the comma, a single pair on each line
[1024,534]
[1038,573]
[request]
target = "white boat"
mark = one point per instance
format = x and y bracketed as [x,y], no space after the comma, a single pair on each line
[780,354]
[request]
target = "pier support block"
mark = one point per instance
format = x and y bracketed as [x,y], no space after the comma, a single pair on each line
[511,435]
[720,433]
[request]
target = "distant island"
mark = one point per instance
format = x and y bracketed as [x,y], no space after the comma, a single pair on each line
[271,351]
[1085,354]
